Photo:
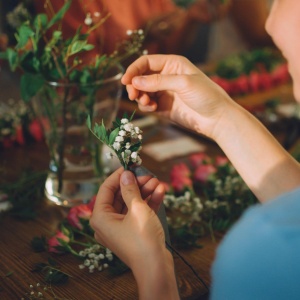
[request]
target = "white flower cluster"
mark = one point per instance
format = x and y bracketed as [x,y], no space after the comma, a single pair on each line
[89,18]
[123,142]
[16,17]
[38,291]
[96,258]
[188,205]
[226,188]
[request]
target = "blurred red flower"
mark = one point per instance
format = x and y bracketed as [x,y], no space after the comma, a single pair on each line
[55,244]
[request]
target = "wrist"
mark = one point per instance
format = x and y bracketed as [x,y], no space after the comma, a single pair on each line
[155,276]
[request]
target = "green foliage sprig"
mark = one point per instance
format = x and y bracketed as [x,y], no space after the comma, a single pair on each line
[25,194]
[123,139]
[43,54]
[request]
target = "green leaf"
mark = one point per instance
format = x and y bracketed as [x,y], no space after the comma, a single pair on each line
[59,15]
[12,57]
[88,47]
[113,136]
[76,47]
[30,85]
[24,34]
[100,132]
[89,122]
[40,21]
[100,60]
[56,277]
[131,117]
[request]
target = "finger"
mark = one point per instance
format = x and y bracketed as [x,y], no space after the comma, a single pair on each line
[132,92]
[152,106]
[157,63]
[157,197]
[108,190]
[130,189]
[118,203]
[159,82]
[148,188]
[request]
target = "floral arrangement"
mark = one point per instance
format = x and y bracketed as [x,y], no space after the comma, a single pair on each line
[251,72]
[67,88]
[124,139]
[204,196]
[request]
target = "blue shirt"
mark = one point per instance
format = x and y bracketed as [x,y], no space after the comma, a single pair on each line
[259,258]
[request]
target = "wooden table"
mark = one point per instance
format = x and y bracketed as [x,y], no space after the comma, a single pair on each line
[17,258]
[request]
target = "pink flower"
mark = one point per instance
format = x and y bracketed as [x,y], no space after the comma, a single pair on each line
[78,213]
[180,177]
[204,172]
[199,158]
[221,160]
[280,74]
[36,130]
[55,242]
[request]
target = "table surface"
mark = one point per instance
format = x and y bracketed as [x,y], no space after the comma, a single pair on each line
[17,258]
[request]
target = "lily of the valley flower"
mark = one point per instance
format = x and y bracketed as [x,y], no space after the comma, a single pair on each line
[124,139]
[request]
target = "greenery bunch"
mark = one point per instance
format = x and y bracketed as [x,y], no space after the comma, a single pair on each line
[43,54]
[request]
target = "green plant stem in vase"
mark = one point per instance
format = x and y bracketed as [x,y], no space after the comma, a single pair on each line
[63,88]
[76,168]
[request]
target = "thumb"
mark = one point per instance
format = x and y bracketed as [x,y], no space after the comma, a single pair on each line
[129,188]
[158,82]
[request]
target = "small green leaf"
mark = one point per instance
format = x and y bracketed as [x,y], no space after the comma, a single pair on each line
[131,117]
[30,85]
[113,136]
[40,21]
[89,122]
[76,47]
[12,57]
[59,15]
[100,60]
[24,34]
[100,132]
[88,47]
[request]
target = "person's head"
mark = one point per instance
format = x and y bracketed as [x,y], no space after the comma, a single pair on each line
[283,25]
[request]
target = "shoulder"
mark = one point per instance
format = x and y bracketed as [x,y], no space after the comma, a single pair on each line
[259,257]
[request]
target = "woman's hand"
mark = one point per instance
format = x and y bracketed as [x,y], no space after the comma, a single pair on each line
[124,216]
[124,221]
[174,87]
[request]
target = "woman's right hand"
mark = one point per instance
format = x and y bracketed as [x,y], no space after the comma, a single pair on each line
[172,86]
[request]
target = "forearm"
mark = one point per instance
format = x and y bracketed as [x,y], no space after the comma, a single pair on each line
[157,279]
[262,162]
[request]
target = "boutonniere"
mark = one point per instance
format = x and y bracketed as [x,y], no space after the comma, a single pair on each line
[124,139]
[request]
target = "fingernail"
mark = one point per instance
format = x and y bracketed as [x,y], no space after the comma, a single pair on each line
[141,171]
[141,80]
[127,178]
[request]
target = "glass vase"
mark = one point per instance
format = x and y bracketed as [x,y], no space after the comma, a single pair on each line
[76,161]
